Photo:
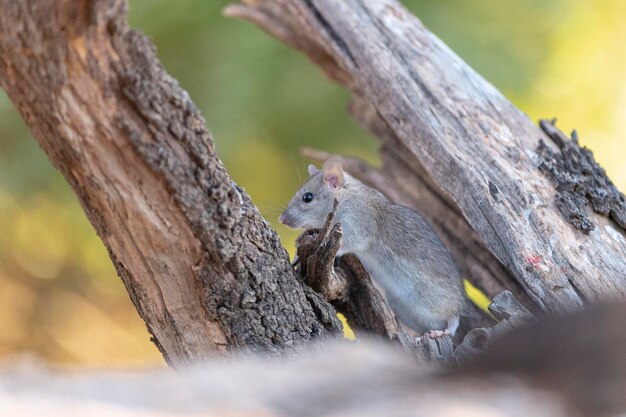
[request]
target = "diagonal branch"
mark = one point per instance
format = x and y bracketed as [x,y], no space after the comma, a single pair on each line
[447,125]
[203,268]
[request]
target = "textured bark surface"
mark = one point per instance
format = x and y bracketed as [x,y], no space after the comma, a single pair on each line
[203,268]
[579,180]
[456,132]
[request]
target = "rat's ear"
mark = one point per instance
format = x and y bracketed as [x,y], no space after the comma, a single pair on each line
[333,173]
[312,169]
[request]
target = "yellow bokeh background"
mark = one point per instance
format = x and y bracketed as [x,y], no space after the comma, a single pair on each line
[60,298]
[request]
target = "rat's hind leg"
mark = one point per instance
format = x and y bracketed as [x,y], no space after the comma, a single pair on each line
[453,325]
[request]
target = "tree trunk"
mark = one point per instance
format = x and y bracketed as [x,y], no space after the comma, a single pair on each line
[455,148]
[201,265]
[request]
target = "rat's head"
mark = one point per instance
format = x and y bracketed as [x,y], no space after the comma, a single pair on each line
[313,202]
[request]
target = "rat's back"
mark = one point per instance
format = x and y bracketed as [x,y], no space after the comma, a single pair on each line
[414,270]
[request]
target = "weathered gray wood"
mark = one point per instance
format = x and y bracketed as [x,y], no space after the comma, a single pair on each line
[203,268]
[477,148]
[349,379]
[511,315]
[438,351]
[580,356]
[504,307]
[473,343]
[566,366]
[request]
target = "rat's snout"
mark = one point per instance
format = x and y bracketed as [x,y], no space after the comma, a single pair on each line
[287,219]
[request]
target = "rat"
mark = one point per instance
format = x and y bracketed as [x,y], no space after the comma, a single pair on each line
[400,251]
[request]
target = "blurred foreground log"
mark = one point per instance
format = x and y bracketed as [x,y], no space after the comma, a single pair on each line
[569,366]
[201,265]
[457,150]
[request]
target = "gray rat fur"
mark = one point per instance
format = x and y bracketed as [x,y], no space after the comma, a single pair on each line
[398,248]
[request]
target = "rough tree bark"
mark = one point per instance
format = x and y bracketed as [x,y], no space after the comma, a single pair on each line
[461,152]
[201,265]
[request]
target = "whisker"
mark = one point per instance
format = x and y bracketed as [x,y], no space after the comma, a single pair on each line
[296,166]
[303,161]
[270,208]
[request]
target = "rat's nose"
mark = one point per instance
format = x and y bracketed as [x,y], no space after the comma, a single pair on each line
[287,219]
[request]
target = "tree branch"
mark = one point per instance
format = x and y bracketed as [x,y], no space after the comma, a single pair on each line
[201,265]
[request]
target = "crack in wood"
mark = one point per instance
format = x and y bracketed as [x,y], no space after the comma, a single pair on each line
[328,28]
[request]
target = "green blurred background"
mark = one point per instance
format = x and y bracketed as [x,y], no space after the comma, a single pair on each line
[60,298]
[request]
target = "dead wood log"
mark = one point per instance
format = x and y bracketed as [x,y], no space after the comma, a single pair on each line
[201,265]
[566,366]
[343,379]
[580,357]
[461,139]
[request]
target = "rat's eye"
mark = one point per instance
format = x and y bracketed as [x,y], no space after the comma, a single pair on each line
[307,197]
